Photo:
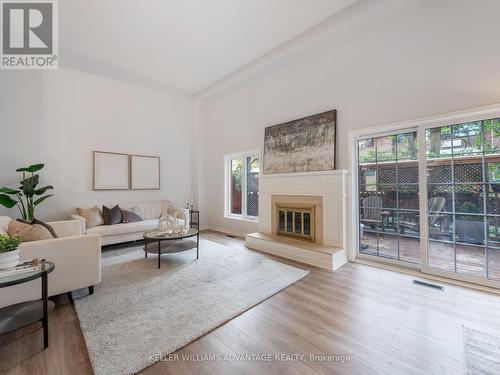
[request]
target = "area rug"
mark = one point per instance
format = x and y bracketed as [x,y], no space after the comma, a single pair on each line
[481,352]
[140,313]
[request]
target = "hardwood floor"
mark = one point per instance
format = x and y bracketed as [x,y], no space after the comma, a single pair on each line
[378,318]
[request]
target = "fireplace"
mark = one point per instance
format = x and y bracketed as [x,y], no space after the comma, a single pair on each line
[302,217]
[296,221]
[297,217]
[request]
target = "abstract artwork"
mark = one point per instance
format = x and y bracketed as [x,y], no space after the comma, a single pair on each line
[303,145]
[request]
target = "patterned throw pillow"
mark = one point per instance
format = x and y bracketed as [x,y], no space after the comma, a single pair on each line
[111,215]
[93,216]
[132,215]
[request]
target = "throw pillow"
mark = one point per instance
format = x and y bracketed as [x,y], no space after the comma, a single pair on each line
[27,232]
[132,215]
[43,224]
[111,215]
[93,216]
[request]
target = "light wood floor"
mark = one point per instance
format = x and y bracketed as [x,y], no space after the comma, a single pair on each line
[383,322]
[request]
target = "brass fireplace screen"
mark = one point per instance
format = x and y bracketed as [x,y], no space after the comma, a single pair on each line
[296,222]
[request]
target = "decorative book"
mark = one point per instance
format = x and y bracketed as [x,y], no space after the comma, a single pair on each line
[29,266]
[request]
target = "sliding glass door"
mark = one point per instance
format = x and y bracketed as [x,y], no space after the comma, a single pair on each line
[429,198]
[463,187]
[388,197]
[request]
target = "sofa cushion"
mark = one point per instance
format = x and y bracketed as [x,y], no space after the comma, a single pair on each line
[150,210]
[111,215]
[123,228]
[93,216]
[132,215]
[27,232]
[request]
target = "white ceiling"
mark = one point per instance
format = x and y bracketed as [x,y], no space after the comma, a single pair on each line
[183,44]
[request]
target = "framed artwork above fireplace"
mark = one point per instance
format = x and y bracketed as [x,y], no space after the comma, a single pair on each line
[302,145]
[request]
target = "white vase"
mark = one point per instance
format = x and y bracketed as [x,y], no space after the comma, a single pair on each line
[9,259]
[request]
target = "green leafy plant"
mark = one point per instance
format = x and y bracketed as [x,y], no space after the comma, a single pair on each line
[237,171]
[9,244]
[491,133]
[27,196]
[469,208]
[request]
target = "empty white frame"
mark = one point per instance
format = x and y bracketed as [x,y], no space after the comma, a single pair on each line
[111,171]
[145,172]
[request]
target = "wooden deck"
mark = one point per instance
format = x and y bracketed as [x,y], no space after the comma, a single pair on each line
[470,260]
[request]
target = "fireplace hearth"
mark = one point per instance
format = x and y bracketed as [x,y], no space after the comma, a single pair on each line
[302,217]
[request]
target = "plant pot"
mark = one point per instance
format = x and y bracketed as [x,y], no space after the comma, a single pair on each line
[9,259]
[469,231]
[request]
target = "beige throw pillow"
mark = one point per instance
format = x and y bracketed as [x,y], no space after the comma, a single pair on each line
[27,232]
[93,216]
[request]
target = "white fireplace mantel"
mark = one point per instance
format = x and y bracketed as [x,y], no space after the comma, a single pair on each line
[331,187]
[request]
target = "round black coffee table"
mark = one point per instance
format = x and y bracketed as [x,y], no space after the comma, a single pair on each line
[159,236]
[28,312]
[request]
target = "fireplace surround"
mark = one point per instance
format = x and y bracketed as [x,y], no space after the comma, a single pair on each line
[320,194]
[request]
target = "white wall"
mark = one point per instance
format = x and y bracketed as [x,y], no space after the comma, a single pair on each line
[59,117]
[435,57]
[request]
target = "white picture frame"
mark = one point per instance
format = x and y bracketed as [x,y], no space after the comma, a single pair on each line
[111,171]
[145,172]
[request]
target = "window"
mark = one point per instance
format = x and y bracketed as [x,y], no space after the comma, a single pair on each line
[242,185]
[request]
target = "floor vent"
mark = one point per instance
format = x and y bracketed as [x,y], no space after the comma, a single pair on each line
[230,236]
[434,286]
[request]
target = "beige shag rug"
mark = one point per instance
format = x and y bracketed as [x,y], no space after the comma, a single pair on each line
[481,352]
[140,312]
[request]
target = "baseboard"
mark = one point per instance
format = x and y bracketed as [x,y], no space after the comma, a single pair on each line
[224,230]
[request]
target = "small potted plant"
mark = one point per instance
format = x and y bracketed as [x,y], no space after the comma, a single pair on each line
[9,252]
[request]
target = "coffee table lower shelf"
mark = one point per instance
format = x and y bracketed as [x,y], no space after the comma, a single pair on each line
[171,244]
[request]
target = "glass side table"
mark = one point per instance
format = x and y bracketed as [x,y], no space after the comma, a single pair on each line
[22,314]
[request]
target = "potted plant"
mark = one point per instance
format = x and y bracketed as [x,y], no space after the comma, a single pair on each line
[26,196]
[9,252]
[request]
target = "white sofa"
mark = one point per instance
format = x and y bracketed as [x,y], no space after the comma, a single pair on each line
[77,259]
[124,232]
